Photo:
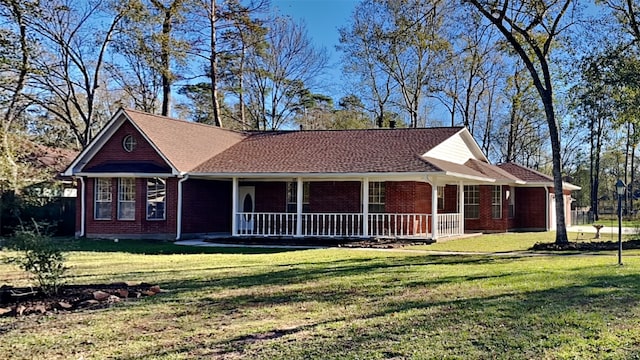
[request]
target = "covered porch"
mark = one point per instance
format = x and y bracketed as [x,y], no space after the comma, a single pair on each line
[409,208]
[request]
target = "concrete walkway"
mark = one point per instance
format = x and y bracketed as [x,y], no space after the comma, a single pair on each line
[605,230]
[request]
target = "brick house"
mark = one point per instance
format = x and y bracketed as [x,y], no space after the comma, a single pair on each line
[148,176]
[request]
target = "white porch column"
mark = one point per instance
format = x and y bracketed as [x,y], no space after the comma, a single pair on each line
[365,207]
[434,210]
[461,205]
[234,207]
[299,198]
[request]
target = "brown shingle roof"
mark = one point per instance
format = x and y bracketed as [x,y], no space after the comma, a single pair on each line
[345,151]
[452,167]
[524,173]
[185,144]
[491,171]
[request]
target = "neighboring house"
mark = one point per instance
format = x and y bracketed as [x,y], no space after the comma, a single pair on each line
[40,194]
[147,176]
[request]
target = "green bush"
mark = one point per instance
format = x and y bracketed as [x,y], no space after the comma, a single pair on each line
[39,255]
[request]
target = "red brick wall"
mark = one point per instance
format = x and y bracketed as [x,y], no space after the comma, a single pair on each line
[335,196]
[206,206]
[140,226]
[530,208]
[270,196]
[407,197]
[485,221]
[450,199]
[113,151]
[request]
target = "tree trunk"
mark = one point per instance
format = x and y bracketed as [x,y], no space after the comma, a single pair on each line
[561,225]
[165,61]
[213,61]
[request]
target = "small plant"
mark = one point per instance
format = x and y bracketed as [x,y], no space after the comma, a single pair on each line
[39,255]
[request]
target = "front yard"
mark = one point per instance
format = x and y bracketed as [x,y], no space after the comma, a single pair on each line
[342,304]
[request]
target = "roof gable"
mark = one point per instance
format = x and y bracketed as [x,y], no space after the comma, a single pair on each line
[112,157]
[458,148]
[180,144]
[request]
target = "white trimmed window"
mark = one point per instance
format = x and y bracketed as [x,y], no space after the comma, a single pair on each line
[440,190]
[129,143]
[496,202]
[126,198]
[292,196]
[377,197]
[471,202]
[103,199]
[156,198]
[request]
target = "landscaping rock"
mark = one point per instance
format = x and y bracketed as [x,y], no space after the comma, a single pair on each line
[6,311]
[64,305]
[100,295]
[88,303]
[69,297]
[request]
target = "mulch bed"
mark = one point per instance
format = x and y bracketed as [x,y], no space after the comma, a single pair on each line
[376,243]
[587,246]
[21,301]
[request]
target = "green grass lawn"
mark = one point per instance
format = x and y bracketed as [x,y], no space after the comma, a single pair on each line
[342,304]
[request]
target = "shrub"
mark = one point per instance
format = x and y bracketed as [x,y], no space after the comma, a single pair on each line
[39,255]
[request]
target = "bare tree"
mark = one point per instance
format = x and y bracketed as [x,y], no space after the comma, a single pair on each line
[275,76]
[70,67]
[406,41]
[15,67]
[360,60]
[530,29]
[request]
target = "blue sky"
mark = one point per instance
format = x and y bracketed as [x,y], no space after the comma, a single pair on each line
[323,18]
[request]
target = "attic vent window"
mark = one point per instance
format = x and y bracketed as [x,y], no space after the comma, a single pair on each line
[129,143]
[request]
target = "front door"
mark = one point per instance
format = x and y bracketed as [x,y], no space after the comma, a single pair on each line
[246,206]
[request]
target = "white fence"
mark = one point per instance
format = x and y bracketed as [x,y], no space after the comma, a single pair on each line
[347,224]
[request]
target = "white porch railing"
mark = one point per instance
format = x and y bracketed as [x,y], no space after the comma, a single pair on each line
[332,224]
[449,224]
[399,225]
[347,224]
[266,224]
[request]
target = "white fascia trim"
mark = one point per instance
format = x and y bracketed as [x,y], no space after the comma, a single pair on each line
[511,182]
[124,174]
[565,186]
[470,177]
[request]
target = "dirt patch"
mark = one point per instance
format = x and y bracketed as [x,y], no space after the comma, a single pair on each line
[586,246]
[21,301]
[379,243]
